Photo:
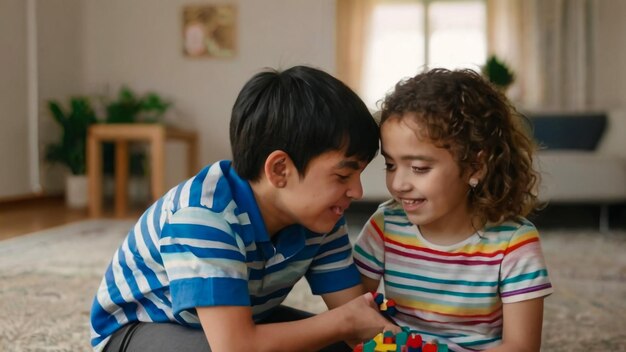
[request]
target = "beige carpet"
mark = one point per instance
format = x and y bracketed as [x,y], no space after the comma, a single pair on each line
[47,281]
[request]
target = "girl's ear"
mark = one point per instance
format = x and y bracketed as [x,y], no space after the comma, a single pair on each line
[478,171]
[277,168]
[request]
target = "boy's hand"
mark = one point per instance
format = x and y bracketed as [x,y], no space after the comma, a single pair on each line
[365,320]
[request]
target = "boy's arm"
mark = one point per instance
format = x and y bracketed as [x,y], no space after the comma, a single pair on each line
[522,324]
[339,298]
[231,328]
[370,285]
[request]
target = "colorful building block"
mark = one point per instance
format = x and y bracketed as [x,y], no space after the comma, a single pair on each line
[404,341]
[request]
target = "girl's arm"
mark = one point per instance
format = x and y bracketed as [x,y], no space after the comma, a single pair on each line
[522,326]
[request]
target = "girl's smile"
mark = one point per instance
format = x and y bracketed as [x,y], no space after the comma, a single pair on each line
[426,180]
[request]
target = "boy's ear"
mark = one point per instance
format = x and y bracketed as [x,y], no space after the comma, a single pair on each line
[277,168]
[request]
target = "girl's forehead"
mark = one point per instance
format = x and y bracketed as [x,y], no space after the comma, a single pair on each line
[409,122]
[405,133]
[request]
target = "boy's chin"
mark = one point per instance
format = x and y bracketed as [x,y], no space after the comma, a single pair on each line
[321,227]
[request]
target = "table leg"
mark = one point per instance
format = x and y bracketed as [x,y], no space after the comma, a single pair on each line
[157,163]
[94,176]
[121,178]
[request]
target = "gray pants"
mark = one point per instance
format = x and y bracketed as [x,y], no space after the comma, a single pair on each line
[140,337]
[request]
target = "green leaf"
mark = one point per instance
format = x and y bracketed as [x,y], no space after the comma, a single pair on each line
[70,150]
[498,72]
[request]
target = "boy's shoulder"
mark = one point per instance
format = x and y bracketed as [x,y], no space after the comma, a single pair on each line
[216,188]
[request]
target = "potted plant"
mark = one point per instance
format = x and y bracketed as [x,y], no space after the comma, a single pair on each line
[70,150]
[498,73]
[130,107]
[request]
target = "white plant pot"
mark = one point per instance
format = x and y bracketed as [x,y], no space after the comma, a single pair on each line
[138,188]
[76,191]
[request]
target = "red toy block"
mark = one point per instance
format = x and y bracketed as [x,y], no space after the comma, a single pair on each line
[414,341]
[430,347]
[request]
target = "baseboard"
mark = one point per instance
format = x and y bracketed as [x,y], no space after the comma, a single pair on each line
[28,198]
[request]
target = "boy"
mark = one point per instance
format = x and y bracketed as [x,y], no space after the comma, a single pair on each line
[222,250]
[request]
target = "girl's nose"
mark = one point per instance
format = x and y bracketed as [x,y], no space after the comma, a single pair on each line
[398,182]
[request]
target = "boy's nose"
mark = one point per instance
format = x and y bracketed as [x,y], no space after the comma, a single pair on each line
[355,191]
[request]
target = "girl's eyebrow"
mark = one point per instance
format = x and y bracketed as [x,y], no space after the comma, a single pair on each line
[409,157]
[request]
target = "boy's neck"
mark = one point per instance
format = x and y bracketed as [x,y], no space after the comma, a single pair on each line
[274,217]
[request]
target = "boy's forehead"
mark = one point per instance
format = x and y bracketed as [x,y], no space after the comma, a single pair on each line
[337,159]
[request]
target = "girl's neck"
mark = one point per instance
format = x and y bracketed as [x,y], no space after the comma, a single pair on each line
[450,231]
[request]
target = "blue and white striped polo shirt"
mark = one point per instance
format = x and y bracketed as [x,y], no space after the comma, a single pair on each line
[205,244]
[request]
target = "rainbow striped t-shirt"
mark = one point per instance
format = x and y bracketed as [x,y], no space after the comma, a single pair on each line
[452,293]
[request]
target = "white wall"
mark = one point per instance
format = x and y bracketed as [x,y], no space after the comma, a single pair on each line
[139,43]
[14,168]
[60,73]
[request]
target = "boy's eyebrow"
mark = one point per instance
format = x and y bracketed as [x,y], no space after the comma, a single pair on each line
[352,164]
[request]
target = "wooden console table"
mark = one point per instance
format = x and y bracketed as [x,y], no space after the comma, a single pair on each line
[156,136]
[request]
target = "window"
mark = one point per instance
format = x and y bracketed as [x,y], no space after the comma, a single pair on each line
[404,37]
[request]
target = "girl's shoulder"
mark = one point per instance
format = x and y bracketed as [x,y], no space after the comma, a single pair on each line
[509,229]
[390,206]
[390,210]
[389,213]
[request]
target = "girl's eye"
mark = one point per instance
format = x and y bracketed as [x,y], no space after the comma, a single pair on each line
[420,170]
[389,167]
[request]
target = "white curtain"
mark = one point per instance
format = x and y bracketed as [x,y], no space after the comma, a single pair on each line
[547,43]
[352,21]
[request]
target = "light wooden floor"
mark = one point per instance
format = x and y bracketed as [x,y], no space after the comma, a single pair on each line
[26,216]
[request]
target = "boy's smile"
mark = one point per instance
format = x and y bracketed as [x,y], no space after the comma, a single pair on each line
[319,199]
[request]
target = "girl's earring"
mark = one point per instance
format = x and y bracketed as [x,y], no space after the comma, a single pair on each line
[473,182]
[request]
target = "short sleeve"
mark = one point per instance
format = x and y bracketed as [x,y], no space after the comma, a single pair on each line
[369,249]
[332,268]
[204,260]
[523,272]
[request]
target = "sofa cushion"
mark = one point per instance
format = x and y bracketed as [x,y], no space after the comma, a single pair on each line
[569,176]
[581,131]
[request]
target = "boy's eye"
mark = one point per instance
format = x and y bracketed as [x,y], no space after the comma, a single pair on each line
[343,177]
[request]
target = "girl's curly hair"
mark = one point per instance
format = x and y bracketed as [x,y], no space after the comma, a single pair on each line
[462,112]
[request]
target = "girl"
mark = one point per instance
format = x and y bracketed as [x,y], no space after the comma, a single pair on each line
[452,247]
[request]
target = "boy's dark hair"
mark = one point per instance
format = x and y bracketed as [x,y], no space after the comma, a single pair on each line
[462,112]
[302,111]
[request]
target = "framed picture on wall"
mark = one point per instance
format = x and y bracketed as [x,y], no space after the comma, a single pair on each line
[209,30]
